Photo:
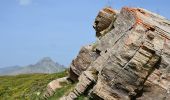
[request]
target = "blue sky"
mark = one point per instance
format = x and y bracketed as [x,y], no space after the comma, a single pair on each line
[32,29]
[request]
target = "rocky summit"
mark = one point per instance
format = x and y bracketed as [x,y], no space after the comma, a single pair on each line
[129,61]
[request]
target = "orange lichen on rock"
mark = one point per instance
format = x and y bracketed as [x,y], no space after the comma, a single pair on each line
[143,12]
[134,12]
[109,10]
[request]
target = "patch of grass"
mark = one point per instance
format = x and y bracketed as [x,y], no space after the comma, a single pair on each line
[83,97]
[32,86]
[62,91]
[28,86]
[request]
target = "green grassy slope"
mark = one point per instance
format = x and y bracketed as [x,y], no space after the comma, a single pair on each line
[28,86]
[32,86]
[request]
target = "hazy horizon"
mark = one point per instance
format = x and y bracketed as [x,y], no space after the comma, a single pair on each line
[33,29]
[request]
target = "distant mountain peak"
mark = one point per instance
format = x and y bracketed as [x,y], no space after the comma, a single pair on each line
[45,65]
[46,59]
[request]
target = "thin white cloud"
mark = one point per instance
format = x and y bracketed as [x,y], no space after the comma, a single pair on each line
[24,2]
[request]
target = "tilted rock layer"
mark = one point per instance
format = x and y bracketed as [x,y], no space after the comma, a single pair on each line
[130,60]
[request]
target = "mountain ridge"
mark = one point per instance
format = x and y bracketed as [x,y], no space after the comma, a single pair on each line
[45,65]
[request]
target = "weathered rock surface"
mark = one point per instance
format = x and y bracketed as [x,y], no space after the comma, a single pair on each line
[103,20]
[85,57]
[130,60]
[53,86]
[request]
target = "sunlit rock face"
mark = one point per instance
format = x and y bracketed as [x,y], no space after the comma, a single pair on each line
[130,59]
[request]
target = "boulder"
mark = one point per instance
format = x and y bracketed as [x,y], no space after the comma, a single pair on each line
[53,86]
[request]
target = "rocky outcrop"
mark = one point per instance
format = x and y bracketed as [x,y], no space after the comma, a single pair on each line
[53,86]
[86,56]
[130,60]
[103,20]
[86,79]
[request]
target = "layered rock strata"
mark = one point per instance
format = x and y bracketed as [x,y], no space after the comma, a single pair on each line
[130,60]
